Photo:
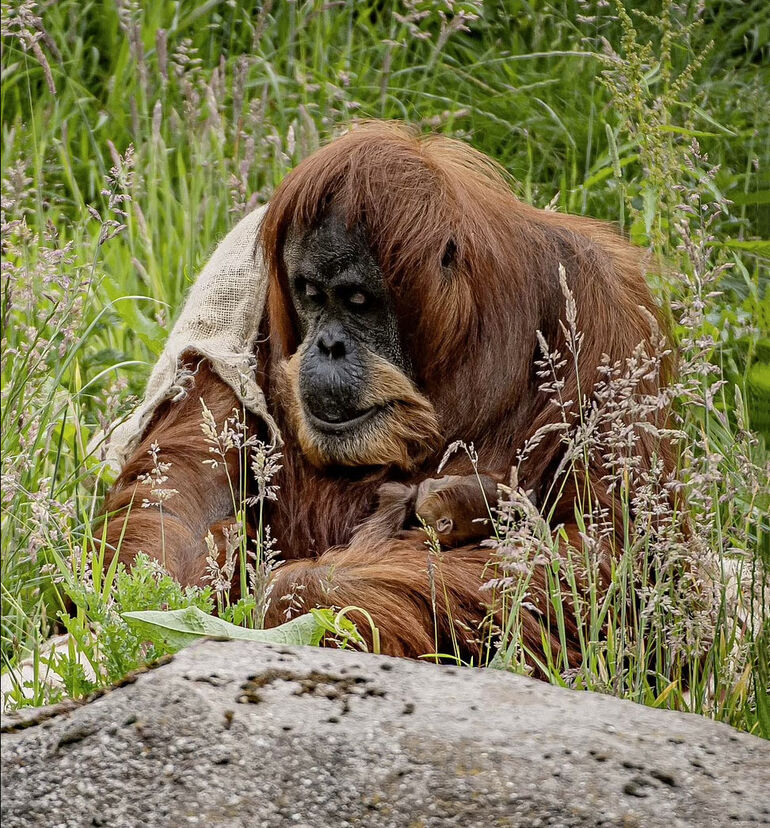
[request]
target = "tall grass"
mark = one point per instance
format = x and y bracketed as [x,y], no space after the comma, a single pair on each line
[134,135]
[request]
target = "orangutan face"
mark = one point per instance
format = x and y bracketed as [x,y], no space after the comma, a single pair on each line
[350,376]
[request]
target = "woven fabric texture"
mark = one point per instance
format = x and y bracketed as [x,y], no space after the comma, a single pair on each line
[219,321]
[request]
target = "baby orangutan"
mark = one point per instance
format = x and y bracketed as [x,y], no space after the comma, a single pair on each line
[456,507]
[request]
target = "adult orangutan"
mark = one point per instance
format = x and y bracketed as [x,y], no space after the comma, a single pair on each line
[406,289]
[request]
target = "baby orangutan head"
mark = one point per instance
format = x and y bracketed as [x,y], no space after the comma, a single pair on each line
[457,507]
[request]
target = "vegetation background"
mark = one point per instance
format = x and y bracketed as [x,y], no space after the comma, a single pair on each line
[135,134]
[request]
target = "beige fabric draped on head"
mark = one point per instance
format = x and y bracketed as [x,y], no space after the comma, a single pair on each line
[220,321]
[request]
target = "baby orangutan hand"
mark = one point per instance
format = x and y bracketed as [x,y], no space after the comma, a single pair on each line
[456,507]
[395,505]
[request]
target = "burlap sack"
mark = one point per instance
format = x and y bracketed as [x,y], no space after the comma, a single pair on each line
[220,321]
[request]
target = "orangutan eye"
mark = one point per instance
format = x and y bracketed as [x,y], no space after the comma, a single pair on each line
[309,291]
[355,299]
[358,299]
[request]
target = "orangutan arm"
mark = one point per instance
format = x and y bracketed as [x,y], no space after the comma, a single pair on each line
[175,531]
[422,602]
[394,582]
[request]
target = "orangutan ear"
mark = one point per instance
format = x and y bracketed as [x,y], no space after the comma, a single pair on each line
[450,252]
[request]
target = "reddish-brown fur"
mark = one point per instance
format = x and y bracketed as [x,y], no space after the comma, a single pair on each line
[456,507]
[470,331]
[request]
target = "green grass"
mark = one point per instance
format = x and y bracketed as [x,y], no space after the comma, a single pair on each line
[219,100]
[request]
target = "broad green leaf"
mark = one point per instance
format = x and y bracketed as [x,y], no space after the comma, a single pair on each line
[756,197]
[650,198]
[759,246]
[690,133]
[613,148]
[178,628]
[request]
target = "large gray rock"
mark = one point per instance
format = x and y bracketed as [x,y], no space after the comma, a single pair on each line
[242,734]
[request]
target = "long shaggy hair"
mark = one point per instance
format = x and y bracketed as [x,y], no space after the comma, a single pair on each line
[474,275]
